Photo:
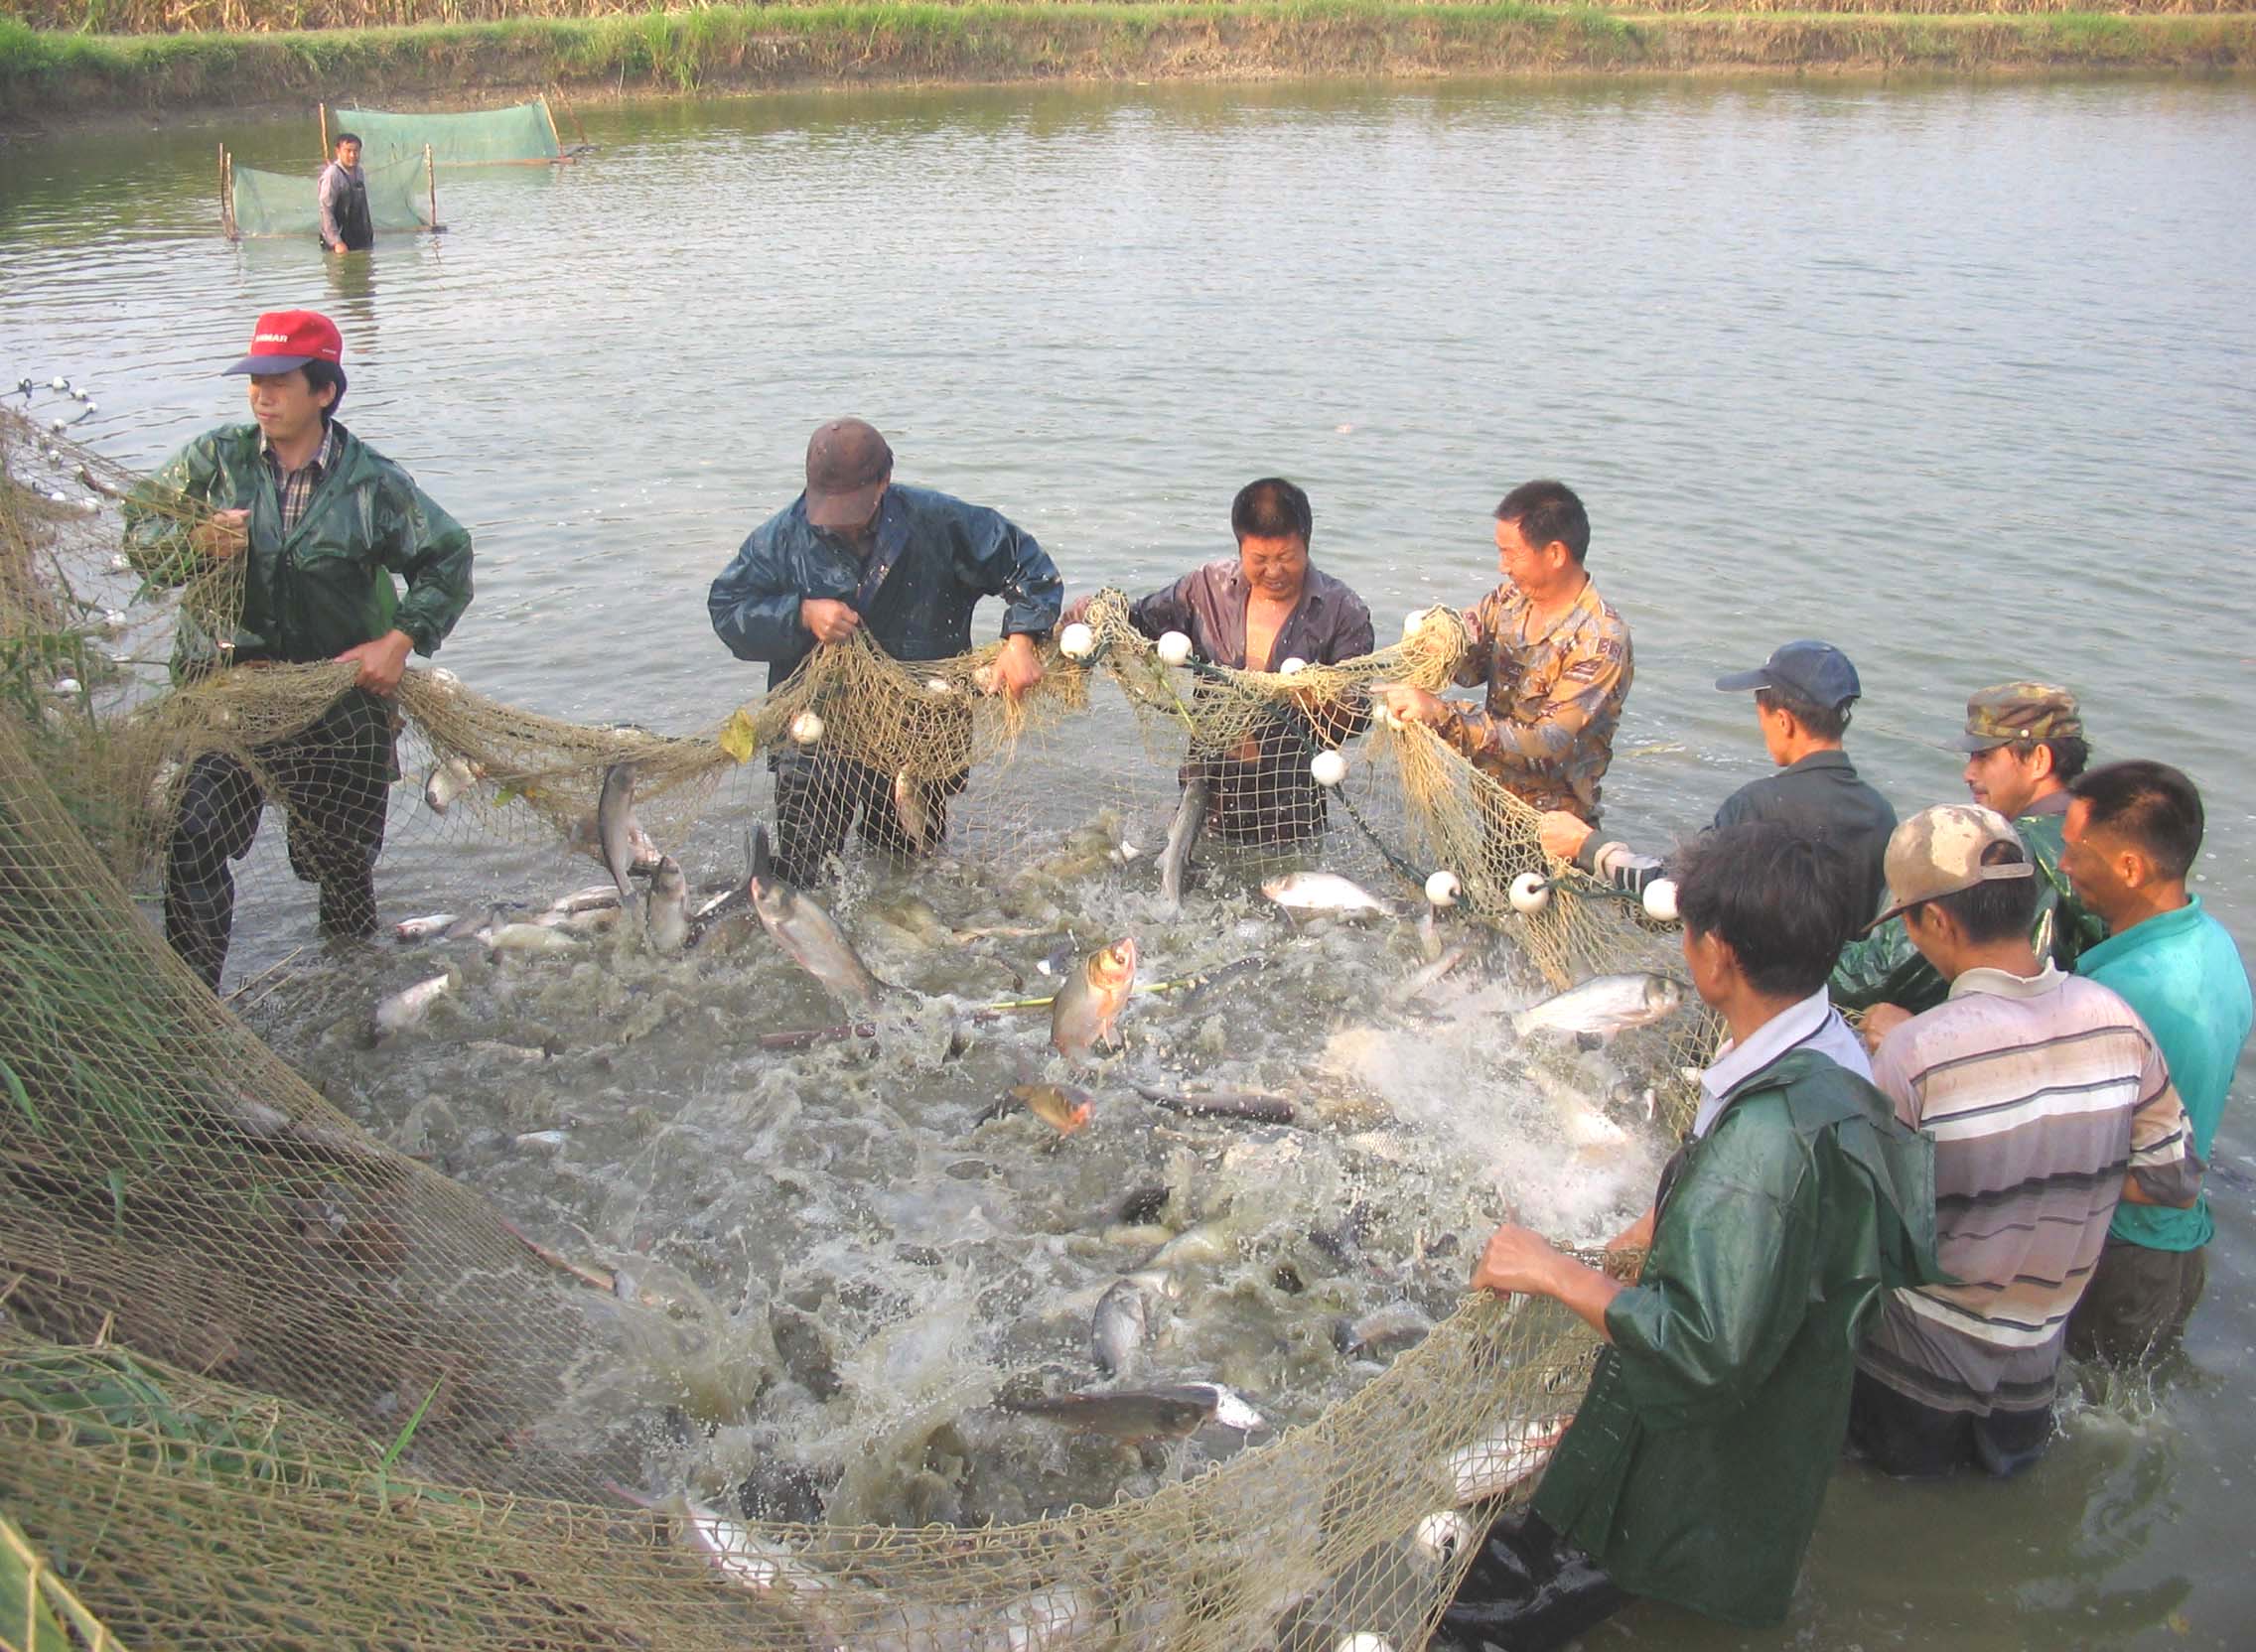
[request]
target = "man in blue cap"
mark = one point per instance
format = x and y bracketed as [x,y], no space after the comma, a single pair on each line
[1802,697]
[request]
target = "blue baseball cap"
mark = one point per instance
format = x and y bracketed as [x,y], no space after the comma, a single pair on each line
[1815,671]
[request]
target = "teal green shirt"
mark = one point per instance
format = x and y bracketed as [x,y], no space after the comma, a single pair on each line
[2183,976]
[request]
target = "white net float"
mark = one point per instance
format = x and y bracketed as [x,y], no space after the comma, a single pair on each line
[1173,647]
[1443,889]
[1530,893]
[1327,768]
[1077,641]
[1661,901]
[807,728]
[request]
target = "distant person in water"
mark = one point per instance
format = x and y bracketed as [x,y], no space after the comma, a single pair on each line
[1260,611]
[346,225]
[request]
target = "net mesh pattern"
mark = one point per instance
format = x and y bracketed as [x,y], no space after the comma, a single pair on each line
[264,1380]
[522,132]
[289,202]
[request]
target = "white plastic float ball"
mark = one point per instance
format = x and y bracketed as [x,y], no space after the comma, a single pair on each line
[1327,768]
[1412,620]
[1661,901]
[67,686]
[60,426]
[1173,647]
[1443,889]
[807,728]
[59,384]
[1077,641]
[1530,893]
[93,508]
[1360,1642]
[1440,1536]
[1292,667]
[938,686]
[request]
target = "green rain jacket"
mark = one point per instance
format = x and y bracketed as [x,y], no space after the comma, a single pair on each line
[326,585]
[1885,968]
[1699,1455]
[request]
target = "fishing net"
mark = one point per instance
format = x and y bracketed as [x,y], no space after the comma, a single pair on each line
[401,196]
[522,135]
[265,1379]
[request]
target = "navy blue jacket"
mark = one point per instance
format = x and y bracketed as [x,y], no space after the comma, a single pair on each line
[933,559]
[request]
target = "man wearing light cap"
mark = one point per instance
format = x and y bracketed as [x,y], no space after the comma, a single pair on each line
[1802,698]
[857,551]
[2047,1102]
[2023,742]
[320,525]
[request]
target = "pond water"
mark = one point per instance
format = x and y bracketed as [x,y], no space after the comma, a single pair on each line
[1961,377]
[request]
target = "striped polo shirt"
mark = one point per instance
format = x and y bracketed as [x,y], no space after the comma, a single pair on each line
[2041,1094]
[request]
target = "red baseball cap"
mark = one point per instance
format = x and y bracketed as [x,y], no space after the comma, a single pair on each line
[287,339]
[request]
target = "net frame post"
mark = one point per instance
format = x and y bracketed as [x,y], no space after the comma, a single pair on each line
[227,196]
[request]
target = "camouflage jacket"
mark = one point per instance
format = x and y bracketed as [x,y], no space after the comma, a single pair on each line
[1885,968]
[1546,731]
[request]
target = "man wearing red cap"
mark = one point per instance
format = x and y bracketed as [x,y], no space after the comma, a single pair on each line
[320,525]
[857,551]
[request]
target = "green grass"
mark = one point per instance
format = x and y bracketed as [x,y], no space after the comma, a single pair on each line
[901,39]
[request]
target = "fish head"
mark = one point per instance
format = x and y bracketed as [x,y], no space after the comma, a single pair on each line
[1112,968]
[1276,889]
[1662,995]
[1233,1412]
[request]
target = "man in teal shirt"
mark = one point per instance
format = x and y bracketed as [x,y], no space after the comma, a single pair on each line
[2131,835]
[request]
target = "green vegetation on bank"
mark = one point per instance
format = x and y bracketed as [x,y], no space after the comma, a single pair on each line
[725,48]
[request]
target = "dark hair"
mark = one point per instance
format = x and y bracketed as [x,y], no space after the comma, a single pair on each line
[1779,901]
[1822,722]
[1271,508]
[320,375]
[341,139]
[2070,753]
[1548,510]
[1996,908]
[2153,805]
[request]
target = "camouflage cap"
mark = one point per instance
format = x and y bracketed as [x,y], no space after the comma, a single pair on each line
[2013,712]
[1938,852]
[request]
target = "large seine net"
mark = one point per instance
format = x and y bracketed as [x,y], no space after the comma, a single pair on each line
[264,1380]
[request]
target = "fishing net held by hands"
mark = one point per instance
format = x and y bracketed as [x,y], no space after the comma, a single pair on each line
[265,1381]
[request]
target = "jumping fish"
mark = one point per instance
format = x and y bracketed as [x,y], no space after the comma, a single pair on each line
[665,917]
[1170,1411]
[1064,1108]
[1387,1329]
[1594,1011]
[1324,892]
[1119,1327]
[740,1555]
[805,931]
[1086,1006]
[616,827]
[450,778]
[1181,837]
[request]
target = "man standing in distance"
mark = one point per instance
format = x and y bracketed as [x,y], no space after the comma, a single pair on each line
[1553,655]
[1252,613]
[855,550]
[321,523]
[1802,698]
[2047,1101]
[1698,1456]
[346,225]
[2132,832]
[2024,742]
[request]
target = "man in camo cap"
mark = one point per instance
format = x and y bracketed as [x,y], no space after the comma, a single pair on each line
[2023,742]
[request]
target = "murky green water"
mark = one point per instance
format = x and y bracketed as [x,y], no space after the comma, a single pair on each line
[1961,377]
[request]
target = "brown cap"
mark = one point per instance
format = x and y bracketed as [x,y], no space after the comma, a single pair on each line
[1938,852]
[2011,713]
[847,465]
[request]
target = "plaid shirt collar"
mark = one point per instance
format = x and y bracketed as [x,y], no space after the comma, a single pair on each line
[294,488]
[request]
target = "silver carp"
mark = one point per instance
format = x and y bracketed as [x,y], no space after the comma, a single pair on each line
[616,827]
[449,779]
[1594,1011]
[407,1007]
[1387,1330]
[665,917]
[1503,1456]
[739,1554]
[1181,837]
[805,931]
[1089,1003]
[1170,1410]
[426,928]
[1324,892]
[1118,1328]
[912,807]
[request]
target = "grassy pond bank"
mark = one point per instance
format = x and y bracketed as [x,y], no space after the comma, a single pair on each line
[54,65]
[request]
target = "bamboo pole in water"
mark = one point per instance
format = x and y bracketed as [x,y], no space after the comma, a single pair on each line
[431,177]
[555,137]
[323,108]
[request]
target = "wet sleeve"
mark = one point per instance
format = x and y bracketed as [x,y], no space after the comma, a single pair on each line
[753,606]
[429,550]
[332,185]
[1342,719]
[1353,639]
[1724,1286]
[998,558]
[164,506]
[2164,1164]
[1550,736]
[1164,610]
[1618,864]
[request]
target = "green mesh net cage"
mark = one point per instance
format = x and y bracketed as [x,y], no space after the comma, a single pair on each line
[524,134]
[403,196]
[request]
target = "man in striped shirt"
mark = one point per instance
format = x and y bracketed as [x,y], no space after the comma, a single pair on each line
[2047,1101]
